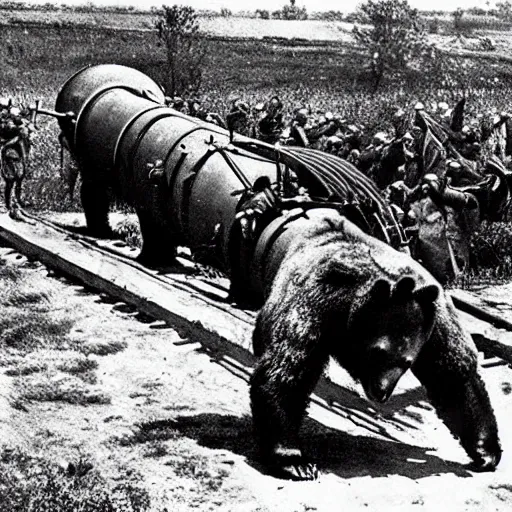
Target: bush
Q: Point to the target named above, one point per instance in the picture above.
(27, 331)
(291, 12)
(264, 14)
(458, 25)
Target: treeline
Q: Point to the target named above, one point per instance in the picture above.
(473, 17)
(502, 10)
(7, 5)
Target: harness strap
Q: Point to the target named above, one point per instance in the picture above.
(265, 242)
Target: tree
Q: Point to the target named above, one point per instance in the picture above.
(291, 12)
(178, 29)
(263, 14)
(504, 9)
(394, 37)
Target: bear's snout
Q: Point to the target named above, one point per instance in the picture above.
(381, 387)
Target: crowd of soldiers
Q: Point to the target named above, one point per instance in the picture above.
(376, 155)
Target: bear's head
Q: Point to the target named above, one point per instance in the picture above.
(388, 328)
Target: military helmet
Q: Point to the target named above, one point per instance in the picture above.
(301, 116)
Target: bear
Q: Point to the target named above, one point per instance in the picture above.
(332, 290)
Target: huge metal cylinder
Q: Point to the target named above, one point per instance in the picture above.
(120, 128)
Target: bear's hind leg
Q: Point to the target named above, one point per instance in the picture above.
(447, 367)
(284, 377)
(95, 202)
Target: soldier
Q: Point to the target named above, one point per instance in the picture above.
(178, 104)
(256, 209)
(15, 144)
(298, 128)
(270, 122)
(371, 155)
(333, 144)
(352, 140)
(400, 123)
(238, 118)
(326, 126)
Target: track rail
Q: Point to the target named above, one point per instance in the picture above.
(193, 301)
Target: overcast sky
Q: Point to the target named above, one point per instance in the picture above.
(311, 5)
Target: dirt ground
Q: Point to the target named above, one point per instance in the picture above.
(178, 423)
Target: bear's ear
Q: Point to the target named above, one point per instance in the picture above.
(427, 295)
(426, 298)
(402, 291)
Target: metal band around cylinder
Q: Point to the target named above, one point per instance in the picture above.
(96, 94)
(180, 139)
(127, 126)
(145, 130)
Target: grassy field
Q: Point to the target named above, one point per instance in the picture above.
(323, 76)
(101, 412)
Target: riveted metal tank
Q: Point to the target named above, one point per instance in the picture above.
(120, 128)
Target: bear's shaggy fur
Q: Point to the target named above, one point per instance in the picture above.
(335, 291)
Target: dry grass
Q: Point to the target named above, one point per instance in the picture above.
(77, 365)
(151, 432)
(26, 331)
(59, 387)
(129, 231)
(33, 484)
(201, 475)
(199, 469)
(35, 343)
(8, 274)
(100, 347)
(22, 368)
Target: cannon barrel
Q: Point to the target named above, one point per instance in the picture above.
(171, 167)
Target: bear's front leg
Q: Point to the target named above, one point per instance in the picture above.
(448, 368)
(284, 377)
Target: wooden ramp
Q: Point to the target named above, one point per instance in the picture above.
(195, 306)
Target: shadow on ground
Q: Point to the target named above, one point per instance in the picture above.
(336, 452)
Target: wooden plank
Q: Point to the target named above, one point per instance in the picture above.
(472, 304)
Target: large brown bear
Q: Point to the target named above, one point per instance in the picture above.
(334, 291)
